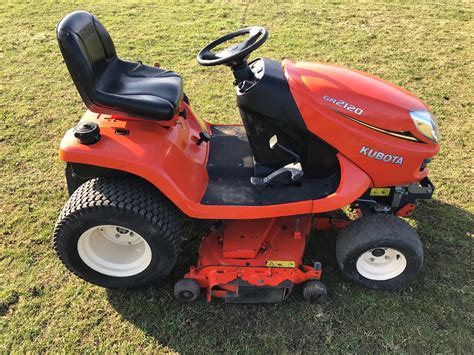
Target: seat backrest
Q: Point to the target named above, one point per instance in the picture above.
(87, 49)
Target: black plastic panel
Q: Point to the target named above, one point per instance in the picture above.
(270, 95)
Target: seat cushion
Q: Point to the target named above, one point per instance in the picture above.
(140, 90)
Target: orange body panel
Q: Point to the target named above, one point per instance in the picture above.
(384, 106)
(169, 158)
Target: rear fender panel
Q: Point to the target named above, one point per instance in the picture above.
(165, 156)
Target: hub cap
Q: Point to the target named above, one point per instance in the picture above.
(381, 264)
(114, 250)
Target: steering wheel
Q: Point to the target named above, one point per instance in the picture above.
(235, 54)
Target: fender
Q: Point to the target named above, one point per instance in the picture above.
(170, 160)
(354, 182)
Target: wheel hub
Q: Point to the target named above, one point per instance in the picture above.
(378, 252)
(186, 294)
(381, 264)
(114, 250)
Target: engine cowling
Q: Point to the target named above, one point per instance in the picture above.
(366, 118)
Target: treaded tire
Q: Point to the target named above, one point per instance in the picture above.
(377, 231)
(128, 202)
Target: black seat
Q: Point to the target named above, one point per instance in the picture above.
(108, 84)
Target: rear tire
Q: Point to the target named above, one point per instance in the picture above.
(379, 251)
(118, 233)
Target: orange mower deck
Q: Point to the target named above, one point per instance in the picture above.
(244, 255)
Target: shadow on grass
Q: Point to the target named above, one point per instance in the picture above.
(429, 313)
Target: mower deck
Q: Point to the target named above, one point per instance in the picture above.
(230, 167)
(254, 261)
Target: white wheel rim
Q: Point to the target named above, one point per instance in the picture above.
(114, 250)
(381, 264)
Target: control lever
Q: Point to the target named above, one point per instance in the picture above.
(294, 169)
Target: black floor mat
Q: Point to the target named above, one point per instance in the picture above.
(230, 167)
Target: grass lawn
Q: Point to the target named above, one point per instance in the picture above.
(426, 47)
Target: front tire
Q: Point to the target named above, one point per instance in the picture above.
(379, 251)
(118, 233)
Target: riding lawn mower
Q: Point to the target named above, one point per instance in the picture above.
(316, 138)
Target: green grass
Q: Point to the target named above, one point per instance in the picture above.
(425, 47)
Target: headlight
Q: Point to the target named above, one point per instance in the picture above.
(426, 124)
